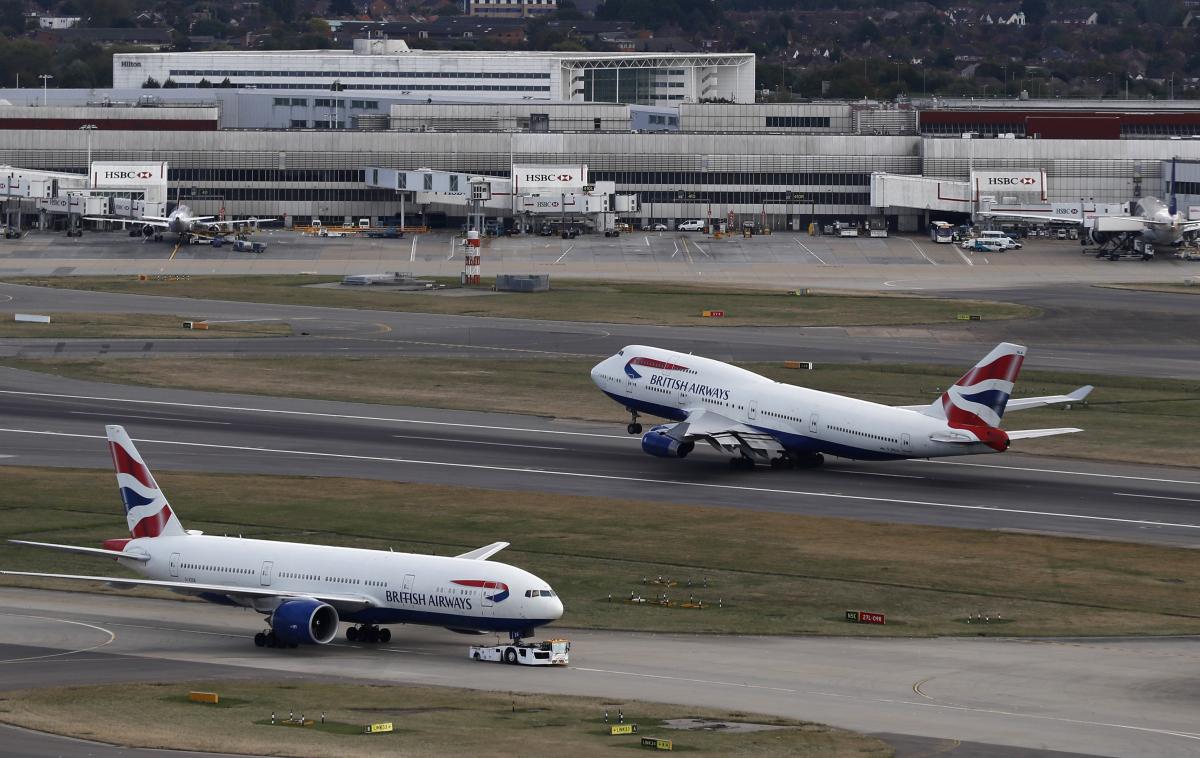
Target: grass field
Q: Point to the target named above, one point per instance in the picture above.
(573, 301)
(768, 573)
(1125, 419)
(428, 721)
(133, 326)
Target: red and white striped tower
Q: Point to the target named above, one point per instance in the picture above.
(471, 262)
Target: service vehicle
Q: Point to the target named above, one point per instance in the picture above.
(981, 245)
(246, 246)
(941, 232)
(654, 228)
(846, 229)
(691, 225)
(547, 653)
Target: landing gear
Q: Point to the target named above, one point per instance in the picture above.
(741, 463)
(634, 427)
(811, 460)
(368, 633)
(268, 639)
(783, 461)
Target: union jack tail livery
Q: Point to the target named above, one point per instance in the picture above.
(980, 396)
(146, 507)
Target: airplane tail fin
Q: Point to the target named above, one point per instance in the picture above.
(979, 397)
(146, 507)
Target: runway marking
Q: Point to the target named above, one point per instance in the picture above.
(453, 250)
(897, 701)
(872, 473)
(151, 418)
(633, 479)
(564, 255)
(647, 239)
(917, 687)
(1057, 471)
(676, 243)
(412, 255)
(697, 244)
(111, 637)
(806, 249)
(1158, 497)
(962, 255)
(352, 417)
(474, 442)
(922, 252)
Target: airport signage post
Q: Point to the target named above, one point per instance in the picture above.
(385, 726)
(866, 617)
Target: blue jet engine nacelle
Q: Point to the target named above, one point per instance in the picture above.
(659, 444)
(304, 622)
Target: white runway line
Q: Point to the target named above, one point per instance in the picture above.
(111, 637)
(564, 255)
(962, 255)
(1158, 497)
(149, 418)
(631, 479)
(412, 255)
(1057, 471)
(452, 249)
(474, 442)
(702, 250)
(922, 252)
(806, 249)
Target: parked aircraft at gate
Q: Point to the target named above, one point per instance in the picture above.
(182, 222)
(760, 420)
(305, 590)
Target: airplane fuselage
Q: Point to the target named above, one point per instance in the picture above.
(802, 420)
(403, 588)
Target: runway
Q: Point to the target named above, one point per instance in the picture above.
(1114, 332)
(61, 424)
(1096, 697)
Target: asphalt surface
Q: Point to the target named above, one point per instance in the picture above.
(1086, 330)
(1096, 697)
(59, 422)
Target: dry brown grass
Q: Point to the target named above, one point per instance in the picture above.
(429, 721)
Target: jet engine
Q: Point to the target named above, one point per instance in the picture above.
(1098, 238)
(213, 228)
(658, 443)
(304, 622)
(149, 231)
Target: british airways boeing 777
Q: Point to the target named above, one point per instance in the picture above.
(305, 590)
(759, 420)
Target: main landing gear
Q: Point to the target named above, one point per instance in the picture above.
(268, 639)
(368, 633)
(785, 461)
(634, 427)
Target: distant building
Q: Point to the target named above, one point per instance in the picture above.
(511, 8)
(58, 22)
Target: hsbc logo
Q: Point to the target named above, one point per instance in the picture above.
(1010, 181)
(548, 178)
(128, 175)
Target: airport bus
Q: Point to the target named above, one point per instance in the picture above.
(941, 231)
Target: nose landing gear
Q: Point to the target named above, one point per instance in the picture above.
(634, 427)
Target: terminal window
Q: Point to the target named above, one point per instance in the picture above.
(798, 122)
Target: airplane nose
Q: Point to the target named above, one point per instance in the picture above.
(596, 371)
(556, 607)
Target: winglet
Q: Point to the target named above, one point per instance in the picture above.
(485, 552)
(1081, 393)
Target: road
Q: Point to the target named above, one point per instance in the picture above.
(58, 422)
(1097, 697)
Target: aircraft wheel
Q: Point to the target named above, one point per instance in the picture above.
(510, 655)
(385, 635)
(371, 635)
(272, 640)
(477, 657)
(634, 428)
(352, 634)
(260, 639)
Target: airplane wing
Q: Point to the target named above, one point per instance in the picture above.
(723, 433)
(84, 550)
(240, 222)
(340, 602)
(1021, 403)
(485, 552)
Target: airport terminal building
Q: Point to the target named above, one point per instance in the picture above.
(300, 153)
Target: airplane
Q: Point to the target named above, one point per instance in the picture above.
(1153, 222)
(182, 223)
(756, 419)
(303, 590)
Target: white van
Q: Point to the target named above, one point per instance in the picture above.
(1000, 238)
(692, 225)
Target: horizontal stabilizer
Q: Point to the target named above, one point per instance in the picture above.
(1021, 403)
(343, 603)
(1028, 434)
(84, 550)
(485, 552)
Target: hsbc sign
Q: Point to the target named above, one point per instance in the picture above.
(1011, 181)
(122, 174)
(534, 178)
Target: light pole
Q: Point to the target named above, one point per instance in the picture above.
(45, 94)
(89, 128)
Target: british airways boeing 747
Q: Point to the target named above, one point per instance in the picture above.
(758, 420)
